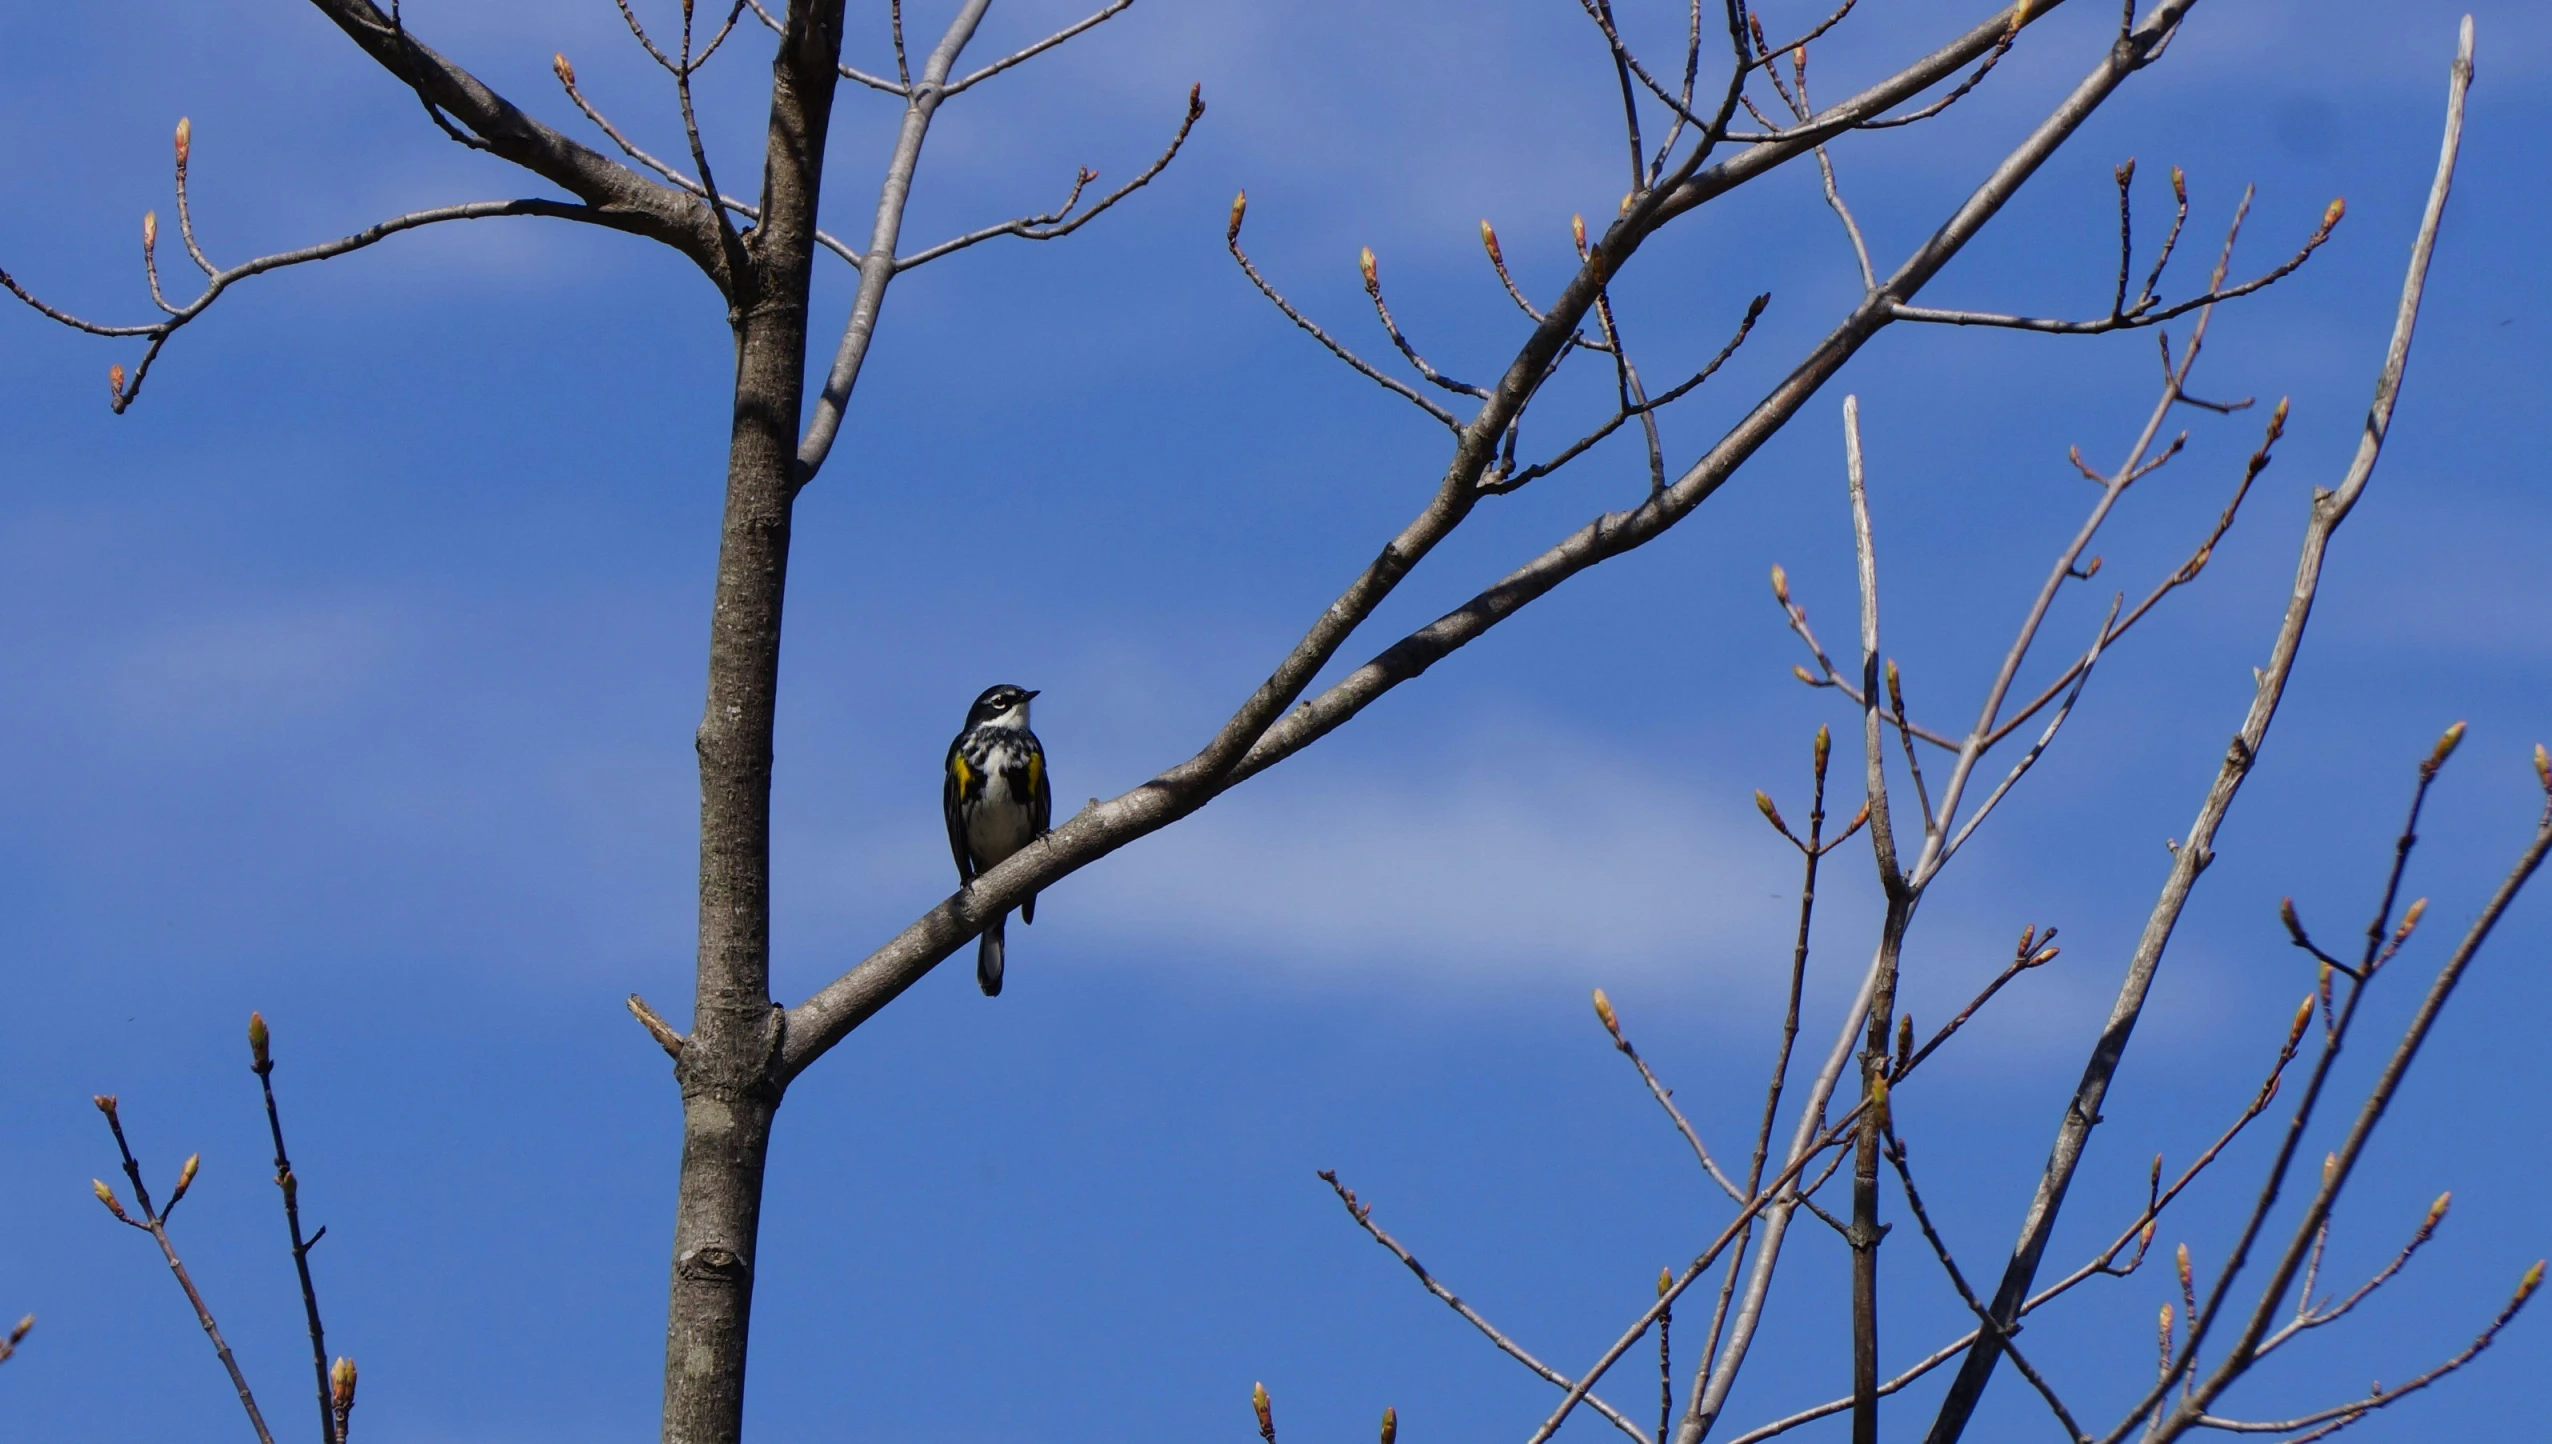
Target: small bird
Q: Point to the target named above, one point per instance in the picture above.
(997, 801)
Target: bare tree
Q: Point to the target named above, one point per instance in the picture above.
(1686, 147)
(2287, 1304)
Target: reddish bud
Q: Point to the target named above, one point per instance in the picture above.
(1489, 239)
(566, 73)
(115, 380)
(2303, 1015)
(1261, 1405)
(259, 1059)
(1364, 263)
(341, 1388)
(2186, 1281)
(1390, 1424)
(2126, 172)
(185, 140)
(1577, 231)
(1804, 675)
(2179, 186)
(2332, 212)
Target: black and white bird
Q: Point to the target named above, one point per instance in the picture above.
(997, 801)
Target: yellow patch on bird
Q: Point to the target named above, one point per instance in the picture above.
(965, 775)
(1036, 772)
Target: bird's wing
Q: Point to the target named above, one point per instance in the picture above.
(959, 782)
(1040, 794)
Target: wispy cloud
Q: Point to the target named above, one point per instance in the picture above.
(1530, 857)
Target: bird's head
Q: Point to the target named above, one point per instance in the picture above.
(1001, 706)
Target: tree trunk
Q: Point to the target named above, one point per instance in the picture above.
(729, 1067)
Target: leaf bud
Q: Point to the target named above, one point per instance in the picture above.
(341, 1390)
(1240, 207)
(566, 72)
(1904, 1041)
(2294, 924)
(1771, 814)
(150, 229)
(2126, 172)
(2186, 1281)
(2543, 766)
(2144, 1240)
(2533, 1279)
(259, 1059)
(1604, 1011)
(105, 1104)
(2410, 919)
(2179, 186)
(291, 1186)
(1266, 1411)
(1665, 1282)
(1364, 263)
(1878, 1100)
(2331, 213)
(1390, 1424)
(1804, 675)
(106, 1195)
(2445, 748)
(185, 140)
(1577, 231)
(115, 381)
(1825, 747)
(185, 1178)
(2437, 1210)
(1780, 585)
(1489, 240)
(2303, 1015)
(1895, 690)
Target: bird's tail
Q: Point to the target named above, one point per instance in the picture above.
(988, 958)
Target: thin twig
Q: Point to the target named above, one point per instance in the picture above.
(155, 1223)
(1665, 1096)
(1362, 367)
(1054, 224)
(1362, 1213)
(2144, 312)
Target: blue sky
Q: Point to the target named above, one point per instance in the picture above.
(355, 670)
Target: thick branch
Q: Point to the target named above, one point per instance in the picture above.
(626, 199)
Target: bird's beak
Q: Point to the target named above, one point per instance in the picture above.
(1028, 697)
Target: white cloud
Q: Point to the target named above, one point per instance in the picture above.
(1536, 856)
